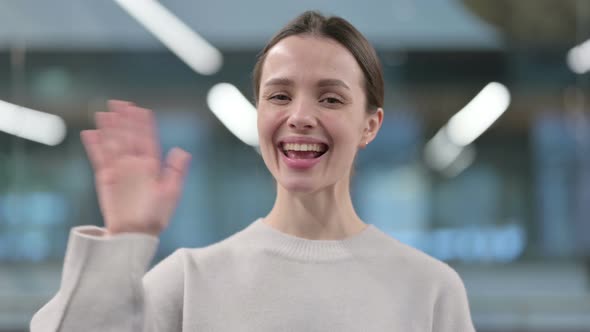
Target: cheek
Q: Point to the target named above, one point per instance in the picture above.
(265, 140)
(267, 126)
(344, 130)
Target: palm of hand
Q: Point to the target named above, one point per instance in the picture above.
(136, 194)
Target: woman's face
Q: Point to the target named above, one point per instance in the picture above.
(311, 113)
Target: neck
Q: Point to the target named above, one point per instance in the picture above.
(327, 214)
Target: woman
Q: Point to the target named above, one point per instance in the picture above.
(310, 265)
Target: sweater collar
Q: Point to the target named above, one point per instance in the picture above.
(276, 242)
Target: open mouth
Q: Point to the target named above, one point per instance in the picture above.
(303, 151)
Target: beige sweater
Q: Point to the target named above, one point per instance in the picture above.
(259, 280)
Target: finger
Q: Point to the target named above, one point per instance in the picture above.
(126, 131)
(133, 129)
(148, 143)
(176, 167)
(115, 104)
(91, 141)
(108, 135)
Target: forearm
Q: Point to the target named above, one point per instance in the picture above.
(101, 288)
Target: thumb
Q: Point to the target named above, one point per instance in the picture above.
(175, 169)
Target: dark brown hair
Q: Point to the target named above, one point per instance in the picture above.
(338, 29)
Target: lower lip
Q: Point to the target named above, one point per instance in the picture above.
(300, 164)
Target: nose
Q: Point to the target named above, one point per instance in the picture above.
(302, 116)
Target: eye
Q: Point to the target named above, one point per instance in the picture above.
(280, 98)
(331, 100)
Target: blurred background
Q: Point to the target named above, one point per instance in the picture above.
(483, 160)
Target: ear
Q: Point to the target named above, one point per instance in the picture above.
(372, 125)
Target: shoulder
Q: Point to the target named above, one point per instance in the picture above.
(416, 263)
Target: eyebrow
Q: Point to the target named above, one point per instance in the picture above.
(321, 83)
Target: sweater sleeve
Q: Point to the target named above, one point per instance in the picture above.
(451, 310)
(104, 286)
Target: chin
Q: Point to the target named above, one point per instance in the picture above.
(306, 185)
(299, 186)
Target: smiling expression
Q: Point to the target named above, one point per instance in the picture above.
(312, 116)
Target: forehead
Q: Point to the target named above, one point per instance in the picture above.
(309, 58)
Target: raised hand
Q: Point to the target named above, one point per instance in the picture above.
(136, 191)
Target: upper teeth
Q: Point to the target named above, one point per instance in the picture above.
(304, 147)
